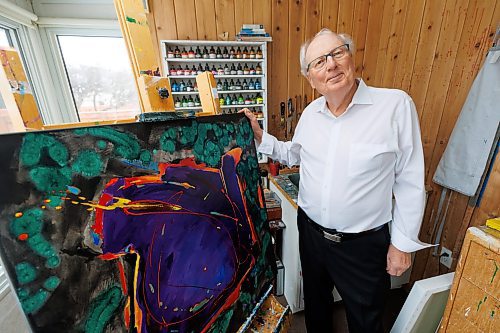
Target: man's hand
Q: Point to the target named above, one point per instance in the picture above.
(257, 131)
(397, 261)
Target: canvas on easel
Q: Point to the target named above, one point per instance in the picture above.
(145, 227)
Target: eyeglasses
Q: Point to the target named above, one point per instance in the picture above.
(337, 53)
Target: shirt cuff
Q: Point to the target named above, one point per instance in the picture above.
(405, 243)
(266, 145)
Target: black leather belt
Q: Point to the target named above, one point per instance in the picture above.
(334, 235)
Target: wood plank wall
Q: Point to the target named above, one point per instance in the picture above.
(430, 48)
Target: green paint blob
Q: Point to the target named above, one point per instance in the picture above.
(30, 223)
(102, 309)
(101, 144)
(52, 283)
(54, 201)
(198, 306)
(145, 157)
(222, 323)
(131, 20)
(48, 179)
(22, 293)
(494, 272)
(53, 262)
(168, 145)
(33, 144)
(88, 163)
(33, 303)
(125, 144)
(25, 272)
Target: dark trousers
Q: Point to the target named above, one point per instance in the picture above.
(356, 267)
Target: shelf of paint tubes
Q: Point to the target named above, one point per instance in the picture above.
(214, 52)
(223, 86)
(216, 76)
(222, 107)
(218, 91)
(214, 60)
(226, 69)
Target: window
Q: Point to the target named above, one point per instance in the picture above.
(91, 70)
(100, 77)
(5, 121)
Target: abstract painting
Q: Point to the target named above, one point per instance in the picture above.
(144, 227)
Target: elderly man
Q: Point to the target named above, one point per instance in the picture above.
(357, 147)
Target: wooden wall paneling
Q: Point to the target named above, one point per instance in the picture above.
(489, 206)
(382, 38)
(185, 13)
(164, 14)
(427, 43)
(360, 22)
(469, 51)
(394, 43)
(313, 25)
(329, 14)
(262, 13)
(205, 19)
(345, 17)
(224, 18)
(408, 50)
(279, 63)
(439, 82)
(373, 29)
(243, 13)
(296, 32)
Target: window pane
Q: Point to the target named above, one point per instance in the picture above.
(101, 78)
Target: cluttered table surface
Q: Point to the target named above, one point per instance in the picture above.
(288, 185)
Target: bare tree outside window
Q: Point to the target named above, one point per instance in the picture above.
(100, 76)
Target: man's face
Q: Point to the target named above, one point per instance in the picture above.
(337, 75)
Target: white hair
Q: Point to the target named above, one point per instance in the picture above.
(345, 38)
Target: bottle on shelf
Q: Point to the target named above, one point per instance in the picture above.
(259, 99)
(193, 70)
(258, 85)
(211, 54)
(205, 54)
(252, 70)
(214, 70)
(190, 101)
(184, 102)
(232, 85)
(259, 55)
(182, 86)
(248, 100)
(238, 85)
(218, 54)
(244, 85)
(239, 70)
(173, 71)
(227, 71)
(207, 68)
(258, 70)
(170, 54)
(228, 100)
(197, 53)
(184, 54)
(187, 71)
(195, 86)
(233, 69)
(220, 70)
(177, 103)
(191, 54)
(245, 54)
(225, 86)
(232, 54)
(225, 53)
(238, 53)
(197, 101)
(234, 100)
(219, 86)
(241, 100)
(251, 55)
(251, 85)
(221, 101)
(246, 70)
(189, 86)
(180, 71)
(177, 52)
(200, 69)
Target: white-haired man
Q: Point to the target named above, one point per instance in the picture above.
(357, 147)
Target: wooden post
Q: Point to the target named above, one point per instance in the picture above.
(16, 92)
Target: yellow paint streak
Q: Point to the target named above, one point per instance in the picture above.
(125, 203)
(185, 185)
(137, 312)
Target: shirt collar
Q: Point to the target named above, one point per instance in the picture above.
(361, 96)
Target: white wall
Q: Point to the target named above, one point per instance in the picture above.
(25, 4)
(87, 9)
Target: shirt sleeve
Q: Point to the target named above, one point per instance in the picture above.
(284, 152)
(408, 188)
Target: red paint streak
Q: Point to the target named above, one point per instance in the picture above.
(97, 227)
(23, 237)
(123, 281)
(126, 314)
(109, 256)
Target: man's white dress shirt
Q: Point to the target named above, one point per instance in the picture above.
(352, 165)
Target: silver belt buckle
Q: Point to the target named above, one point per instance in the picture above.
(333, 237)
